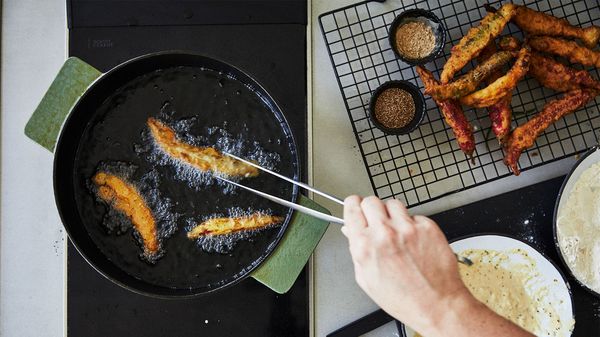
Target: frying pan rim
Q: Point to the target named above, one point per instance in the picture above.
(168, 292)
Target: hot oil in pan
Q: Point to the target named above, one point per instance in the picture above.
(199, 180)
(206, 106)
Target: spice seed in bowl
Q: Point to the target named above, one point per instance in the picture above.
(394, 108)
(415, 40)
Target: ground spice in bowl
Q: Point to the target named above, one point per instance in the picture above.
(417, 36)
(394, 108)
(415, 40)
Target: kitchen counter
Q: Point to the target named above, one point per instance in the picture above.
(32, 240)
(31, 237)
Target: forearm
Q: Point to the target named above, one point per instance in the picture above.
(405, 265)
(466, 317)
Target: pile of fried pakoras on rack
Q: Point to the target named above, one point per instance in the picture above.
(546, 35)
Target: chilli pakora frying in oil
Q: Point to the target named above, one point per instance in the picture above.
(203, 158)
(228, 225)
(126, 198)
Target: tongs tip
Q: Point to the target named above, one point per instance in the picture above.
(464, 260)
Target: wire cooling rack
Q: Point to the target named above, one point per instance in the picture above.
(427, 164)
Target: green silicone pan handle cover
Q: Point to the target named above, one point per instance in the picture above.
(281, 269)
(70, 83)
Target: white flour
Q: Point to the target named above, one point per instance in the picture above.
(578, 228)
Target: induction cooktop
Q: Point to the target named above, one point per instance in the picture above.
(267, 39)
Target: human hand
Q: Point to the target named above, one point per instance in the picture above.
(403, 263)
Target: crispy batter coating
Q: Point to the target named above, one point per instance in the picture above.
(222, 226)
(537, 23)
(551, 73)
(500, 113)
(124, 197)
(570, 50)
(476, 39)
(453, 114)
(202, 158)
(502, 86)
(510, 43)
(559, 77)
(525, 135)
(468, 83)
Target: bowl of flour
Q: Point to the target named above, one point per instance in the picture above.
(577, 221)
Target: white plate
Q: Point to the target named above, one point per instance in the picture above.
(550, 276)
(589, 158)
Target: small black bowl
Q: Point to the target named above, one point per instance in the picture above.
(417, 96)
(424, 16)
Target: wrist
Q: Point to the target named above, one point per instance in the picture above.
(451, 311)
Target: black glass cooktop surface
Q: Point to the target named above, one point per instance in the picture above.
(267, 40)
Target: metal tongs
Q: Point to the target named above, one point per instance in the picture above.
(300, 208)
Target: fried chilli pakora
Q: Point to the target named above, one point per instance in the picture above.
(524, 136)
(570, 50)
(125, 198)
(228, 225)
(202, 158)
(551, 73)
(453, 115)
(559, 77)
(468, 83)
(500, 113)
(476, 39)
(537, 23)
(502, 86)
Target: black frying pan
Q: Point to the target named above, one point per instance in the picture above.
(199, 97)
